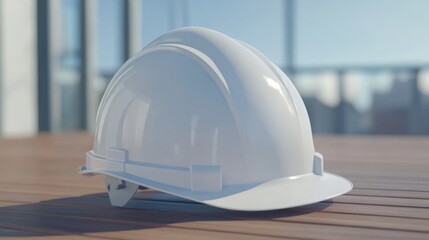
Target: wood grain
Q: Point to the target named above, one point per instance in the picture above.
(42, 197)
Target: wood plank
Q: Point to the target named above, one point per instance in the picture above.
(251, 222)
(43, 196)
(15, 232)
(292, 215)
(25, 197)
(389, 193)
(383, 201)
(199, 209)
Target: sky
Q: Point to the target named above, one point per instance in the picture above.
(330, 33)
(252, 21)
(362, 33)
(326, 33)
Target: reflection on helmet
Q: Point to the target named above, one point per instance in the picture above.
(206, 117)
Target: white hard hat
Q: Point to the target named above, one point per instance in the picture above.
(203, 116)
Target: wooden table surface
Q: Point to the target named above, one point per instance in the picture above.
(42, 196)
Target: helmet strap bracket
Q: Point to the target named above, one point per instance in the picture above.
(318, 164)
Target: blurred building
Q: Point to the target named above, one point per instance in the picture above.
(362, 67)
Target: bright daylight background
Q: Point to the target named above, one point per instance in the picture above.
(362, 67)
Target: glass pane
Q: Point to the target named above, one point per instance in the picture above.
(65, 64)
(110, 43)
(320, 92)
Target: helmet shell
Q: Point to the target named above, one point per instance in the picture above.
(209, 118)
(197, 97)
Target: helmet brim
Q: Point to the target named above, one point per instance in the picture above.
(275, 194)
(285, 193)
